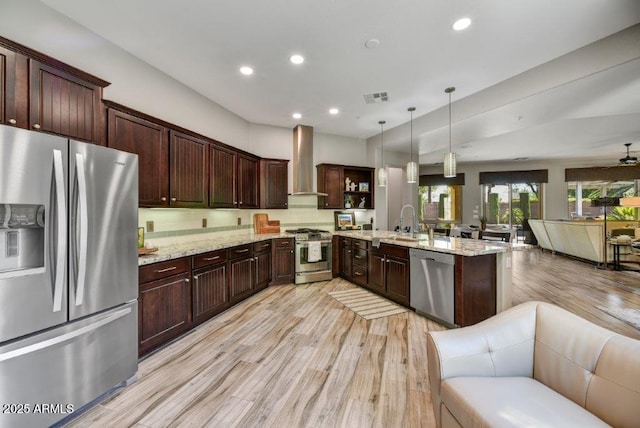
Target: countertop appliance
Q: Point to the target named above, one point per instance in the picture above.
(68, 275)
(312, 255)
(432, 284)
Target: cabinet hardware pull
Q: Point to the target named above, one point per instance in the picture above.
(12, 121)
(359, 274)
(358, 257)
(211, 258)
(187, 280)
(195, 278)
(163, 199)
(167, 269)
(242, 251)
(291, 251)
(36, 126)
(173, 199)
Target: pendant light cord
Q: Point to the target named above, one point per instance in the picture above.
(449, 122)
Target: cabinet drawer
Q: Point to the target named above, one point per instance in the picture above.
(240, 251)
(262, 246)
(210, 258)
(345, 242)
(361, 243)
(283, 242)
(360, 257)
(163, 269)
(359, 274)
(393, 250)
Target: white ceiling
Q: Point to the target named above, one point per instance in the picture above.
(202, 43)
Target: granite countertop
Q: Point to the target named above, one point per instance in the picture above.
(441, 244)
(175, 251)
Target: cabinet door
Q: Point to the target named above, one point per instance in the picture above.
(150, 142)
(8, 83)
(283, 262)
(188, 165)
(210, 292)
(274, 183)
(247, 182)
(63, 104)
(163, 311)
(330, 182)
(345, 259)
(222, 177)
(263, 270)
(242, 278)
(397, 279)
(377, 264)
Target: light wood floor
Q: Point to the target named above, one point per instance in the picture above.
(292, 356)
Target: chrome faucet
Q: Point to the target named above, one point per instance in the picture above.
(414, 223)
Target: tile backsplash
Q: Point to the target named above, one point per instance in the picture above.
(181, 223)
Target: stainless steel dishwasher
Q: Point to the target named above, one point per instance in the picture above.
(432, 284)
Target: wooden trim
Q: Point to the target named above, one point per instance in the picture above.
(46, 59)
(613, 173)
(440, 179)
(509, 177)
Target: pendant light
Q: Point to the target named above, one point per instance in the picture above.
(412, 167)
(450, 158)
(382, 171)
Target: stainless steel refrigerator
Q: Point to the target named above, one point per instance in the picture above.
(68, 275)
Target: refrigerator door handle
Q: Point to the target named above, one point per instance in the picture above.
(61, 215)
(83, 225)
(63, 338)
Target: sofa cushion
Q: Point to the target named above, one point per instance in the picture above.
(511, 402)
(566, 351)
(614, 391)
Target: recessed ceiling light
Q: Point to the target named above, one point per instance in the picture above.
(461, 24)
(296, 59)
(247, 71)
(334, 111)
(296, 115)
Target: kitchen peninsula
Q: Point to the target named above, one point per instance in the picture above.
(379, 261)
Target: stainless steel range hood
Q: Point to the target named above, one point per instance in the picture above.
(303, 161)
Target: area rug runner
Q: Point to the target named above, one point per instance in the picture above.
(368, 305)
(630, 316)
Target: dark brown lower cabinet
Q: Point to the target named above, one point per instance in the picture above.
(262, 257)
(475, 289)
(283, 258)
(210, 292)
(241, 272)
(397, 278)
(389, 272)
(163, 303)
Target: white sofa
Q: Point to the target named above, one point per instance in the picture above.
(534, 365)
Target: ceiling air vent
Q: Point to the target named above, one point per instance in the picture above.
(378, 97)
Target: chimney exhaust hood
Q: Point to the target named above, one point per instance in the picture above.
(303, 161)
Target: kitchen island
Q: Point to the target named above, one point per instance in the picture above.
(482, 279)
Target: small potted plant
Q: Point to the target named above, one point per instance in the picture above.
(483, 223)
(348, 201)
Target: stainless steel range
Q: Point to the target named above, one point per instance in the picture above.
(313, 255)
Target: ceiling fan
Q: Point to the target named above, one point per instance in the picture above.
(628, 160)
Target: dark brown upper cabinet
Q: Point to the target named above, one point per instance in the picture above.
(42, 94)
(247, 181)
(274, 183)
(188, 163)
(330, 182)
(222, 178)
(150, 142)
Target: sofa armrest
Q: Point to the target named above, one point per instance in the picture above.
(500, 346)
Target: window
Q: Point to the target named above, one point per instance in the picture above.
(510, 204)
(440, 203)
(584, 199)
(440, 199)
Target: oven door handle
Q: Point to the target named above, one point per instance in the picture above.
(304, 244)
